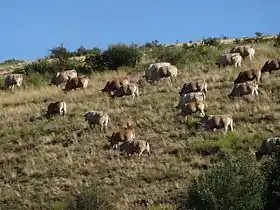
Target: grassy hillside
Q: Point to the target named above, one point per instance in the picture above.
(44, 160)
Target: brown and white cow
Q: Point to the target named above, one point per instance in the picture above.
(194, 86)
(61, 77)
(213, 122)
(193, 107)
(230, 59)
(115, 84)
(271, 65)
(97, 118)
(244, 51)
(267, 147)
(58, 107)
(246, 88)
(12, 80)
(249, 75)
(126, 90)
(76, 82)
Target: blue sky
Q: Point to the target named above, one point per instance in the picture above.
(31, 27)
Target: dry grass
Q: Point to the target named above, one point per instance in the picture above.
(43, 160)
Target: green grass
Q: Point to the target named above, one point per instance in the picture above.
(44, 160)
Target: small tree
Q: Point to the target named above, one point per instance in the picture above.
(62, 54)
(236, 184)
(272, 176)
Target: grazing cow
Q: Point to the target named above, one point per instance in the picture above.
(246, 88)
(136, 146)
(154, 67)
(10, 80)
(249, 75)
(59, 107)
(230, 59)
(115, 84)
(194, 86)
(244, 51)
(124, 134)
(62, 77)
(217, 122)
(271, 65)
(126, 90)
(191, 97)
(193, 107)
(158, 71)
(97, 118)
(76, 82)
(267, 147)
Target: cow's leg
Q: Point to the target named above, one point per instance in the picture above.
(226, 129)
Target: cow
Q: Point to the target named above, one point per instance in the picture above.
(124, 134)
(115, 84)
(214, 122)
(154, 67)
(267, 147)
(136, 146)
(249, 75)
(191, 97)
(62, 77)
(97, 118)
(271, 65)
(194, 86)
(244, 51)
(10, 80)
(126, 90)
(230, 59)
(193, 107)
(76, 82)
(58, 107)
(246, 88)
(158, 71)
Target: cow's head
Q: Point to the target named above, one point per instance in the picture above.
(258, 155)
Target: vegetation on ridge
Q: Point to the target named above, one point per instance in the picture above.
(44, 162)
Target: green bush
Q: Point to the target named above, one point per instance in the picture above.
(236, 184)
(277, 41)
(121, 55)
(90, 199)
(272, 177)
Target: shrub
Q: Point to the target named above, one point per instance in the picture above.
(90, 198)
(272, 177)
(277, 41)
(236, 184)
(121, 55)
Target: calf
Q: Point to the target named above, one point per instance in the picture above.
(193, 107)
(267, 147)
(126, 90)
(97, 118)
(58, 107)
(196, 86)
(246, 88)
(217, 122)
(115, 84)
(124, 134)
(249, 75)
(136, 146)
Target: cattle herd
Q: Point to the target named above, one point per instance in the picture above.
(191, 97)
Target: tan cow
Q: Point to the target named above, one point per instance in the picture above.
(76, 82)
(158, 71)
(62, 77)
(267, 147)
(10, 80)
(115, 84)
(193, 107)
(59, 107)
(194, 86)
(246, 88)
(230, 59)
(244, 51)
(136, 146)
(217, 122)
(124, 134)
(126, 90)
(190, 97)
(97, 118)
(271, 65)
(249, 75)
